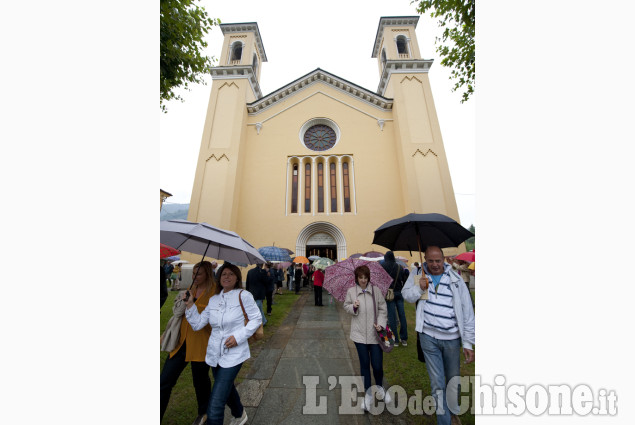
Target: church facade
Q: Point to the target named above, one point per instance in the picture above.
(317, 165)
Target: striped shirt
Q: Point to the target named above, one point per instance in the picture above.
(439, 320)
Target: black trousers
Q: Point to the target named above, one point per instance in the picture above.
(172, 369)
(269, 301)
(317, 290)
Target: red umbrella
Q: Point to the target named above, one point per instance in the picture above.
(466, 256)
(168, 251)
(339, 277)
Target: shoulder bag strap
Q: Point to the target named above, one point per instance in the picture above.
(240, 299)
(372, 294)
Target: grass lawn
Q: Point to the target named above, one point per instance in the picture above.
(182, 406)
(401, 367)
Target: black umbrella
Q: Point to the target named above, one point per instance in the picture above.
(414, 232)
(418, 231)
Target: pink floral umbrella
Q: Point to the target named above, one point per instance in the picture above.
(339, 277)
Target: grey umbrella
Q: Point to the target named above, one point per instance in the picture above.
(207, 240)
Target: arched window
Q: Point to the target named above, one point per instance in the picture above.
(237, 51)
(320, 187)
(333, 189)
(402, 45)
(347, 191)
(294, 190)
(254, 64)
(307, 188)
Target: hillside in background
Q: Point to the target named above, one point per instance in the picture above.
(174, 211)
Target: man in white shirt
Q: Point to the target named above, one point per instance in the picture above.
(445, 323)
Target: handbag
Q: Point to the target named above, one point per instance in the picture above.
(384, 336)
(260, 332)
(390, 295)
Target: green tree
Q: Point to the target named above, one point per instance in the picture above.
(456, 44)
(183, 28)
(469, 244)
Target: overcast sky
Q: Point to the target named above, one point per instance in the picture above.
(336, 36)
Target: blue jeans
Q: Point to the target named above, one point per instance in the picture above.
(371, 354)
(224, 393)
(264, 319)
(397, 304)
(443, 361)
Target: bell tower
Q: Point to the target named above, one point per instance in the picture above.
(404, 77)
(235, 82)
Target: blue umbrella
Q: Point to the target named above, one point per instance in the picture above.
(273, 253)
(173, 258)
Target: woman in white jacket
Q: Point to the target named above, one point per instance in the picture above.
(228, 347)
(359, 304)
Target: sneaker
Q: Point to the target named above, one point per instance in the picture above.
(383, 394)
(200, 420)
(241, 420)
(367, 402)
(404, 343)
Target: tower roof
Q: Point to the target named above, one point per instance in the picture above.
(385, 21)
(246, 27)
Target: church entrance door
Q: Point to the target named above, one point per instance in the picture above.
(328, 251)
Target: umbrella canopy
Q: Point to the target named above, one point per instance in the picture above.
(415, 232)
(168, 251)
(466, 256)
(403, 259)
(172, 258)
(373, 254)
(207, 240)
(357, 255)
(371, 258)
(301, 260)
(283, 265)
(314, 257)
(274, 253)
(288, 251)
(339, 277)
(322, 263)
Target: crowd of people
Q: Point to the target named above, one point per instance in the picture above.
(444, 326)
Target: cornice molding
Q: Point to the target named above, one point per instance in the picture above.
(236, 72)
(246, 27)
(320, 75)
(386, 21)
(406, 66)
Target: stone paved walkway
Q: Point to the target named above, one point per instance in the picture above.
(311, 341)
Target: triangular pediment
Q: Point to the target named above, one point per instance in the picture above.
(315, 77)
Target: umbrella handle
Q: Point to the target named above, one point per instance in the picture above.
(424, 296)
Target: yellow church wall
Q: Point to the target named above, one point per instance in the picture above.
(217, 173)
(265, 178)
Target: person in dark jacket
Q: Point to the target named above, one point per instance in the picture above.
(272, 277)
(396, 305)
(257, 285)
(164, 286)
(298, 277)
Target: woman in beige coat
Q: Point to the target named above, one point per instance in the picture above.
(360, 305)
